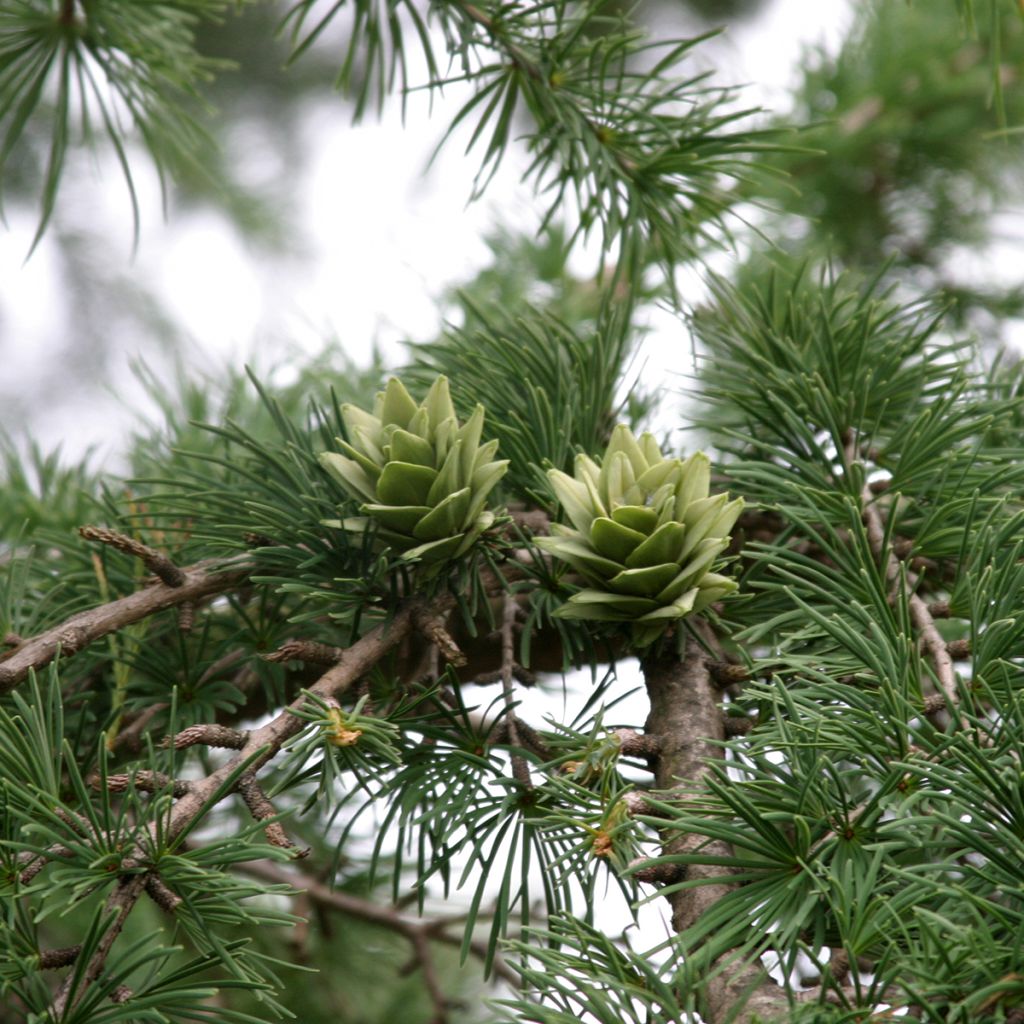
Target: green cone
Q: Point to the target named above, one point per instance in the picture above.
(644, 534)
(422, 478)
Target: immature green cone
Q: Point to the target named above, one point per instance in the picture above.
(422, 478)
(644, 534)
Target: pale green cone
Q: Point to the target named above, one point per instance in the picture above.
(643, 533)
(420, 477)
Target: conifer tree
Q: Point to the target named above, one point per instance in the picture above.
(260, 698)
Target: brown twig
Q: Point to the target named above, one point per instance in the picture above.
(145, 782)
(130, 735)
(931, 640)
(121, 901)
(262, 810)
(53, 959)
(373, 913)
(432, 625)
(309, 651)
(208, 736)
(162, 894)
(76, 633)
(155, 561)
(509, 612)
(528, 737)
(726, 674)
(959, 650)
(34, 862)
(638, 744)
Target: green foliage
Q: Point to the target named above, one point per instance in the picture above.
(578, 970)
(158, 775)
(100, 62)
(552, 386)
(906, 147)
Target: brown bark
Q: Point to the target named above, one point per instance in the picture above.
(685, 721)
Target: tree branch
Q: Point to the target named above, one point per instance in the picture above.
(76, 633)
(920, 615)
(373, 913)
(155, 561)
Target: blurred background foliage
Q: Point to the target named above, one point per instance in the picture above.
(915, 137)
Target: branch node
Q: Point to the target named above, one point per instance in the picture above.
(186, 616)
(959, 650)
(257, 540)
(726, 674)
(261, 809)
(52, 959)
(144, 781)
(664, 873)
(738, 725)
(637, 744)
(162, 894)
(207, 736)
(636, 804)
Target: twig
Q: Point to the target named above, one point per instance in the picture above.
(432, 625)
(76, 633)
(920, 616)
(162, 894)
(309, 651)
(510, 609)
(145, 781)
(725, 673)
(35, 862)
(638, 744)
(208, 736)
(52, 959)
(262, 809)
(122, 899)
(528, 737)
(129, 736)
(155, 561)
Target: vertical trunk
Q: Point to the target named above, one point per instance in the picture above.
(687, 724)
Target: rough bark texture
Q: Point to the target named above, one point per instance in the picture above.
(686, 722)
